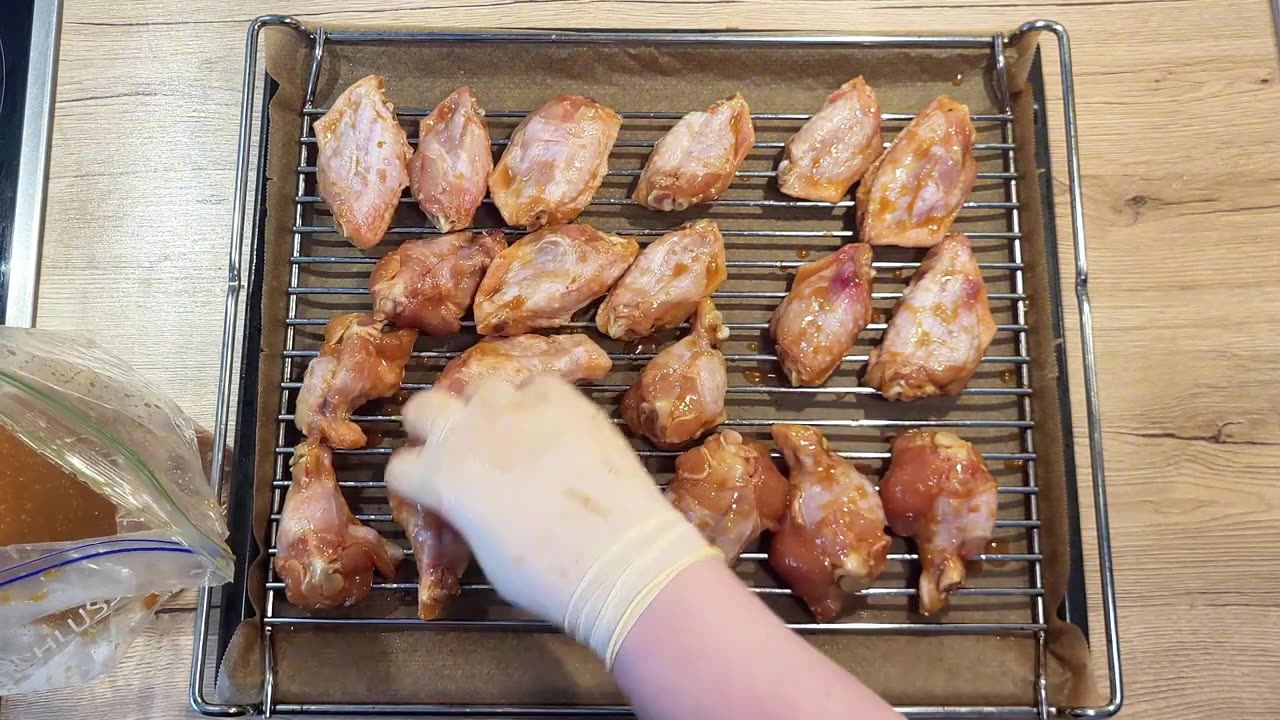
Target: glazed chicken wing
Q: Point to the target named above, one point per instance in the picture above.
(547, 276)
(835, 147)
(913, 192)
(357, 363)
(832, 541)
(555, 162)
(450, 169)
(428, 283)
(939, 330)
(938, 491)
(326, 557)
(730, 490)
(663, 286)
(680, 393)
(362, 163)
(438, 550)
(519, 359)
(819, 320)
(696, 160)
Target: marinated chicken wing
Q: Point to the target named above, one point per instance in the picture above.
(819, 320)
(363, 161)
(680, 393)
(547, 276)
(357, 363)
(428, 283)
(326, 557)
(555, 162)
(450, 169)
(835, 147)
(730, 490)
(832, 541)
(938, 491)
(519, 359)
(939, 330)
(438, 550)
(663, 286)
(913, 192)
(696, 160)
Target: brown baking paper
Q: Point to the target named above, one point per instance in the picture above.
(421, 665)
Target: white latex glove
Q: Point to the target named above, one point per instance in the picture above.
(563, 518)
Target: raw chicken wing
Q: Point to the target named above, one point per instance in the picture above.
(835, 147)
(357, 363)
(438, 550)
(696, 160)
(547, 276)
(730, 490)
(555, 162)
(519, 359)
(428, 283)
(819, 320)
(326, 557)
(363, 162)
(832, 541)
(939, 330)
(680, 393)
(912, 193)
(450, 169)
(938, 491)
(663, 286)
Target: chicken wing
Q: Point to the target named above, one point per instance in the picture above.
(325, 556)
(819, 320)
(428, 283)
(450, 169)
(362, 165)
(730, 490)
(519, 359)
(663, 286)
(555, 162)
(832, 541)
(680, 393)
(835, 147)
(913, 192)
(696, 160)
(938, 491)
(547, 276)
(438, 550)
(939, 330)
(357, 363)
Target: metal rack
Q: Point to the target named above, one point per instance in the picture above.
(327, 276)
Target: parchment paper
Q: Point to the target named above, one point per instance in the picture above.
(360, 665)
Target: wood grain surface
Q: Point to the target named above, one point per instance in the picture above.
(1178, 101)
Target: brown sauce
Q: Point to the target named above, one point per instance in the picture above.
(43, 503)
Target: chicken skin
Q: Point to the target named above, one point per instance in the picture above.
(730, 490)
(820, 318)
(547, 276)
(938, 491)
(357, 363)
(939, 330)
(833, 150)
(519, 359)
(428, 283)
(362, 165)
(555, 162)
(680, 393)
(911, 194)
(438, 550)
(696, 160)
(663, 286)
(326, 557)
(450, 170)
(832, 541)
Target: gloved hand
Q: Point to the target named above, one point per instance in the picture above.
(563, 518)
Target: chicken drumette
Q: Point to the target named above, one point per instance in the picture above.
(832, 541)
(438, 550)
(450, 169)
(519, 359)
(428, 283)
(695, 161)
(835, 147)
(938, 491)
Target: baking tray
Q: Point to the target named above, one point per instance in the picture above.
(768, 235)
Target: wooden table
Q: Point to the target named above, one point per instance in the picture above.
(1178, 106)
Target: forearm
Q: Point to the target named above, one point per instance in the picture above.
(708, 648)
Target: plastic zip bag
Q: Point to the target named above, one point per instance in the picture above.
(68, 610)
